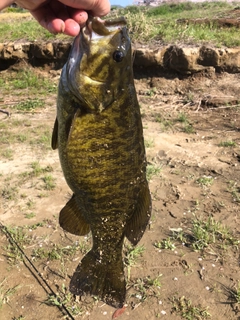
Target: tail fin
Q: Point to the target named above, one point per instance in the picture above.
(105, 280)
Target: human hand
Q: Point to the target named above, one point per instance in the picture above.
(63, 16)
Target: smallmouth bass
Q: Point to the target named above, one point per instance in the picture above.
(98, 132)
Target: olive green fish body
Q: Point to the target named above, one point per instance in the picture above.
(99, 135)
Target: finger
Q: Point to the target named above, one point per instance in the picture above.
(64, 13)
(97, 7)
(72, 28)
(80, 16)
(47, 19)
(59, 9)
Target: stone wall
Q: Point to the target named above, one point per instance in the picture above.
(184, 60)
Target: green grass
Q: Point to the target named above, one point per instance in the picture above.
(236, 293)
(186, 126)
(26, 29)
(205, 181)
(132, 254)
(205, 233)
(64, 298)
(9, 192)
(163, 23)
(228, 143)
(152, 170)
(165, 244)
(58, 252)
(146, 24)
(49, 182)
(7, 153)
(27, 82)
(202, 235)
(234, 189)
(146, 287)
(165, 123)
(29, 105)
(6, 293)
(187, 310)
(20, 236)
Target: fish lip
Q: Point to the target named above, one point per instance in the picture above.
(96, 28)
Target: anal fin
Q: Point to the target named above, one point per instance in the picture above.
(72, 220)
(140, 218)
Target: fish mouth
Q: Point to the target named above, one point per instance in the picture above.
(96, 28)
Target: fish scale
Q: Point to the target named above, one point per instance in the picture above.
(98, 132)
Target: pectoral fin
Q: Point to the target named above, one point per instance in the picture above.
(72, 220)
(55, 135)
(140, 218)
(69, 126)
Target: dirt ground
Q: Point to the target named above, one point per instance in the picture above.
(193, 153)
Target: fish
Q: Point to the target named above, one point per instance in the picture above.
(99, 136)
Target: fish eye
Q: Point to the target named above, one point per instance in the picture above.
(118, 55)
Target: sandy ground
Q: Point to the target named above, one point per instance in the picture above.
(193, 151)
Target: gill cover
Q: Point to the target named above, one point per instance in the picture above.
(99, 63)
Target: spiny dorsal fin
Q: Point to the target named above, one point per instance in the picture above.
(72, 220)
(140, 218)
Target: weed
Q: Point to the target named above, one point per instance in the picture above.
(149, 143)
(235, 190)
(43, 137)
(35, 226)
(165, 244)
(236, 293)
(38, 170)
(210, 231)
(165, 123)
(202, 234)
(83, 247)
(6, 137)
(30, 215)
(64, 298)
(55, 253)
(132, 254)
(186, 125)
(147, 287)
(49, 182)
(152, 92)
(205, 181)
(30, 204)
(9, 192)
(152, 170)
(5, 294)
(21, 238)
(188, 128)
(186, 310)
(229, 143)
(8, 154)
(21, 137)
(58, 252)
(29, 105)
(182, 117)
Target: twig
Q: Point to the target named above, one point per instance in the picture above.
(34, 271)
(6, 112)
